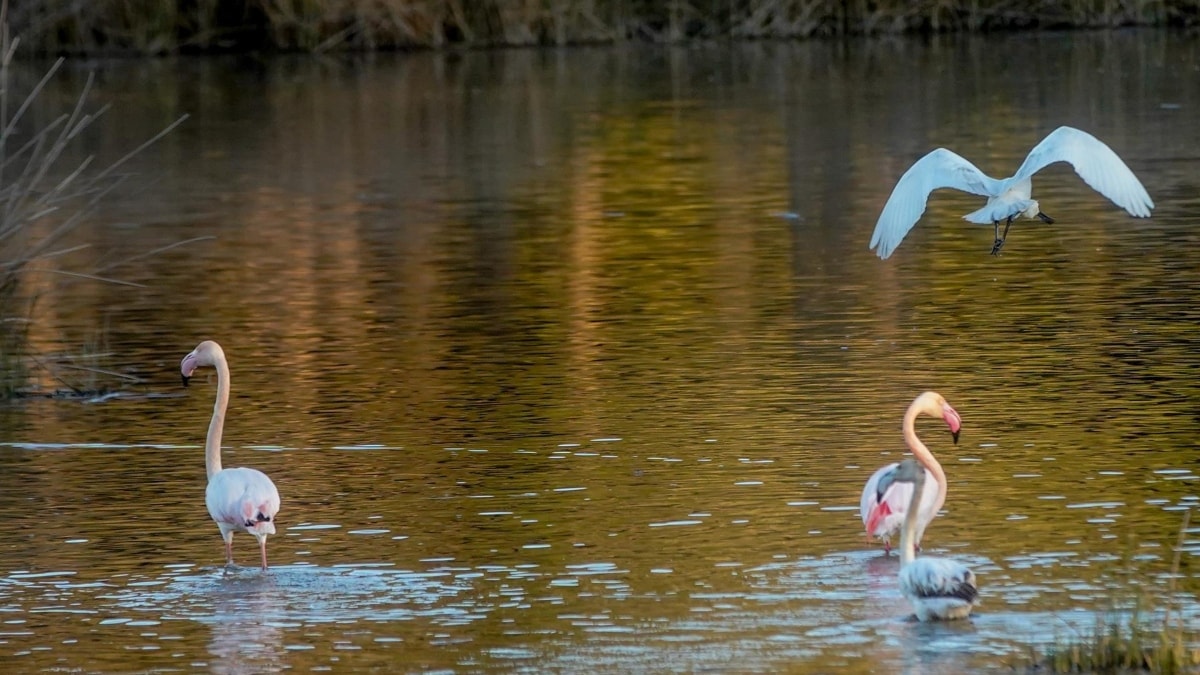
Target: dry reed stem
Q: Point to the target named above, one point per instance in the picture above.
(36, 186)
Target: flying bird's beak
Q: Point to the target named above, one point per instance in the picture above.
(185, 380)
(1045, 218)
(954, 435)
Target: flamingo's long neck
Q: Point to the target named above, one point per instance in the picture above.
(922, 453)
(212, 446)
(908, 536)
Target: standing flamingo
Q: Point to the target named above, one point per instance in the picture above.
(939, 589)
(883, 511)
(238, 499)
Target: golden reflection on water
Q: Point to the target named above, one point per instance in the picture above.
(559, 366)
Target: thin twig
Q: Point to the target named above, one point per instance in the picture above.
(154, 252)
(143, 146)
(1187, 515)
(11, 157)
(74, 219)
(93, 277)
(77, 118)
(8, 128)
(101, 371)
(54, 375)
(21, 262)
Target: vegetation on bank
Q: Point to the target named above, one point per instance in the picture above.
(162, 26)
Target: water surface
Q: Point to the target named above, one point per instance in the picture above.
(577, 360)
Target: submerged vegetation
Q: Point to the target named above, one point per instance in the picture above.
(156, 26)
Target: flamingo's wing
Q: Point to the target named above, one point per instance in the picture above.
(245, 498)
(939, 169)
(1096, 164)
(929, 578)
(870, 493)
(884, 502)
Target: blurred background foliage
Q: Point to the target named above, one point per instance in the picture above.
(165, 26)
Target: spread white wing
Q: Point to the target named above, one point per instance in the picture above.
(1096, 164)
(939, 169)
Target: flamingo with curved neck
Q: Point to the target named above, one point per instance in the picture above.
(883, 511)
(237, 499)
(939, 589)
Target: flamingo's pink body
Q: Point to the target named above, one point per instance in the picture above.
(237, 499)
(883, 512)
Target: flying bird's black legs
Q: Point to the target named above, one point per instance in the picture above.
(996, 245)
(1000, 237)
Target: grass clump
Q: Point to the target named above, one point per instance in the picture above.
(1126, 643)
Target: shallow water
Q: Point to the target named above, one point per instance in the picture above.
(577, 361)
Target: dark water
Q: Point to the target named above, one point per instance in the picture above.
(571, 361)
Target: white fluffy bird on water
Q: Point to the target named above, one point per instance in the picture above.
(1008, 198)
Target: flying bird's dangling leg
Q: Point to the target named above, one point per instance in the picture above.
(1000, 237)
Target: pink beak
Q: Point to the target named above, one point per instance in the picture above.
(952, 420)
(187, 367)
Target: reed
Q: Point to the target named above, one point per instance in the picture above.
(157, 26)
(44, 197)
(1128, 642)
(1125, 645)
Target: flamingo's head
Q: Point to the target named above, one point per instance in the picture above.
(934, 404)
(205, 354)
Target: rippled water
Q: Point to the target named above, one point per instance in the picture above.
(577, 361)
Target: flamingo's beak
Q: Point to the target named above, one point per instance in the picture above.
(187, 367)
(1045, 218)
(953, 420)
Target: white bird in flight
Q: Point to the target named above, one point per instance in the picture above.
(1009, 198)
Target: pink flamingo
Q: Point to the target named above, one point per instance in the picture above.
(883, 511)
(237, 499)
